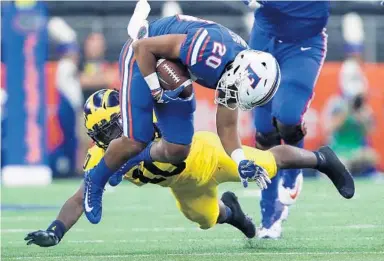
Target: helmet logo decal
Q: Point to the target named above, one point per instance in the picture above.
(142, 32)
(253, 77)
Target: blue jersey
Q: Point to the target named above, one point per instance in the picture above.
(207, 49)
(292, 20)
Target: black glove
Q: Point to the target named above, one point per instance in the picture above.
(49, 237)
(43, 238)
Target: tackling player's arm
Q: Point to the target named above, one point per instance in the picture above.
(69, 214)
(227, 129)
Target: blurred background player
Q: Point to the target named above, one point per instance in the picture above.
(170, 8)
(293, 31)
(349, 117)
(63, 148)
(95, 74)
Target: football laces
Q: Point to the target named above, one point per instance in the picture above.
(171, 73)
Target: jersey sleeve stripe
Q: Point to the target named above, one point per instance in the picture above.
(203, 48)
(192, 44)
(125, 93)
(196, 48)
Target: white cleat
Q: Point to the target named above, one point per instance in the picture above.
(288, 196)
(274, 232)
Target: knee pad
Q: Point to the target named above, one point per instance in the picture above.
(291, 134)
(266, 141)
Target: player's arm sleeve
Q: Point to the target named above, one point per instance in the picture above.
(194, 46)
(203, 52)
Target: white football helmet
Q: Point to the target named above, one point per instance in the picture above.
(251, 80)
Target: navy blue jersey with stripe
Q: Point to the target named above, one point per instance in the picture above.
(292, 20)
(207, 49)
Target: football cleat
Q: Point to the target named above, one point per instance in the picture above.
(289, 193)
(92, 200)
(274, 232)
(336, 172)
(239, 219)
(273, 214)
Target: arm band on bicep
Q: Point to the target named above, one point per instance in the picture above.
(152, 81)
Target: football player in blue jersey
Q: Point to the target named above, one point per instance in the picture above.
(293, 31)
(219, 59)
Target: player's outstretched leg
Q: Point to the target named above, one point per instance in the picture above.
(236, 216)
(324, 160)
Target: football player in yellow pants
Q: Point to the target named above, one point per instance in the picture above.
(194, 182)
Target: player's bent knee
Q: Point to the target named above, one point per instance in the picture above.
(266, 141)
(291, 134)
(123, 148)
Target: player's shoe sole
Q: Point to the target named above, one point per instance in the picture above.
(337, 172)
(239, 219)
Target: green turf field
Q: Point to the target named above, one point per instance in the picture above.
(144, 224)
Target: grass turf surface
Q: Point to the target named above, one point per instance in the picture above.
(144, 224)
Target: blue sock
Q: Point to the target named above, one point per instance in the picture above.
(145, 156)
(101, 174)
(271, 193)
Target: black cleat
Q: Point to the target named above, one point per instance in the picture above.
(336, 172)
(239, 219)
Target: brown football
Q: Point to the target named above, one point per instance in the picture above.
(172, 74)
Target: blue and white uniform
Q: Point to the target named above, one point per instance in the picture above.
(292, 31)
(206, 51)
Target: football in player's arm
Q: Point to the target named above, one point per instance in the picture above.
(169, 47)
(250, 77)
